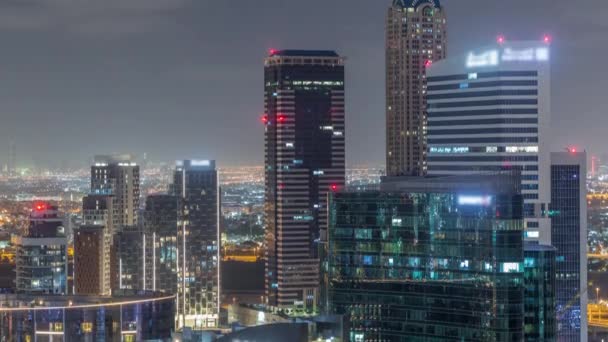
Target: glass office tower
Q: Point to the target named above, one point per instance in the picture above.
(428, 259)
(569, 236)
(489, 110)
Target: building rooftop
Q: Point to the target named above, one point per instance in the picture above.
(303, 53)
(195, 164)
(113, 158)
(415, 3)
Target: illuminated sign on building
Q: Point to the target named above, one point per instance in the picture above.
(200, 163)
(521, 149)
(493, 57)
(509, 54)
(484, 59)
(449, 149)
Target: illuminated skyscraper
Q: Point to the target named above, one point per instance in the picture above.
(569, 236)
(489, 110)
(304, 160)
(160, 222)
(195, 184)
(118, 175)
(415, 37)
(41, 254)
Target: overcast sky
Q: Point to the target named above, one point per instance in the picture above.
(183, 78)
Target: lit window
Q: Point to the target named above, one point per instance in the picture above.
(86, 327)
(509, 267)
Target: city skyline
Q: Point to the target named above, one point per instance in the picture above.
(106, 73)
(467, 220)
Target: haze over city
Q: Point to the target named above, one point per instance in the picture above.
(180, 78)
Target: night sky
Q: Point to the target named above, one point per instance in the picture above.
(183, 78)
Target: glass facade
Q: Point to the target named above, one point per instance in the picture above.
(41, 265)
(160, 219)
(426, 266)
(195, 183)
(539, 279)
(565, 234)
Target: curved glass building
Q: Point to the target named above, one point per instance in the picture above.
(134, 316)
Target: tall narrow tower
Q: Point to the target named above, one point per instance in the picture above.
(415, 37)
(568, 213)
(304, 159)
(195, 183)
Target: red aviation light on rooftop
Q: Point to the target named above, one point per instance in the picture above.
(272, 51)
(264, 119)
(547, 39)
(500, 39)
(281, 118)
(571, 149)
(428, 63)
(40, 206)
(334, 187)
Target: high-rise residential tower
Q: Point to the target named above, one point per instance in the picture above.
(91, 261)
(118, 175)
(489, 110)
(195, 184)
(304, 161)
(568, 213)
(416, 36)
(41, 253)
(160, 222)
(93, 246)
